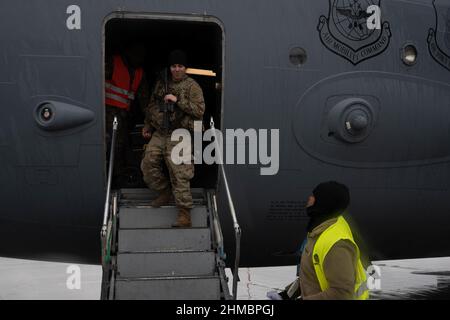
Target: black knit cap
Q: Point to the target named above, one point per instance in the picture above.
(331, 196)
(177, 57)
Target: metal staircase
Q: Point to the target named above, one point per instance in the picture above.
(145, 258)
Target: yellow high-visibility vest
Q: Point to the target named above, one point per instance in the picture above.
(334, 233)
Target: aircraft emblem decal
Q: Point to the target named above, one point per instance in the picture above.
(345, 31)
(435, 50)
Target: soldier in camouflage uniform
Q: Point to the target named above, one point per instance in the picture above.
(189, 106)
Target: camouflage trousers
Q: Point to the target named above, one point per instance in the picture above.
(157, 153)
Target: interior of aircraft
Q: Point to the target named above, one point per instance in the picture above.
(202, 42)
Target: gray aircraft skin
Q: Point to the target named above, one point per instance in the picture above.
(351, 110)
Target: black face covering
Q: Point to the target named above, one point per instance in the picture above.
(332, 198)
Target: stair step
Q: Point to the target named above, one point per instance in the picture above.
(148, 217)
(147, 240)
(147, 194)
(132, 203)
(174, 288)
(162, 264)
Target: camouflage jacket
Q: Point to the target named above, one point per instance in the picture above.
(190, 106)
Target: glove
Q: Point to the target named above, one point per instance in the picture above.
(273, 295)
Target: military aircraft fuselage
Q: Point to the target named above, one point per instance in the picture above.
(367, 107)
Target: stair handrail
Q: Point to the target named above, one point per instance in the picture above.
(109, 182)
(107, 222)
(212, 203)
(237, 228)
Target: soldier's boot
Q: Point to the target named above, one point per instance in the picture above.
(183, 219)
(163, 199)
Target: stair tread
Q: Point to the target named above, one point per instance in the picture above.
(163, 218)
(169, 288)
(213, 277)
(164, 239)
(166, 251)
(165, 265)
(147, 194)
(166, 229)
(146, 203)
(152, 209)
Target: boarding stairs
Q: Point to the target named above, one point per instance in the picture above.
(145, 258)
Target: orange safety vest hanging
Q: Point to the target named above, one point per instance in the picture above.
(120, 90)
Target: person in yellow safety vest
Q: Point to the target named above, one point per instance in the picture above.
(126, 86)
(331, 267)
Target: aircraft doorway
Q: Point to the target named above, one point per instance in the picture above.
(203, 43)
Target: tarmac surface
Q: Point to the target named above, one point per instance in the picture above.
(399, 279)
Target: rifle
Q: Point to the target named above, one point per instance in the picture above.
(167, 107)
